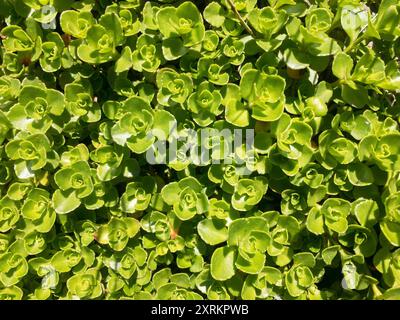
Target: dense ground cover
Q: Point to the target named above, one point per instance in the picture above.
(199, 149)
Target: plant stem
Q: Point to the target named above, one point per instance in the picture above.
(242, 22)
(351, 46)
(336, 83)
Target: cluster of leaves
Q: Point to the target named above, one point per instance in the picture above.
(312, 212)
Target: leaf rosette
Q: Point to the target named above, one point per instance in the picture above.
(333, 213)
(101, 40)
(9, 214)
(265, 94)
(383, 151)
(300, 277)
(75, 183)
(38, 209)
(36, 109)
(134, 126)
(117, 232)
(187, 197)
(76, 23)
(79, 102)
(29, 153)
(138, 194)
(147, 55)
(390, 224)
(205, 104)
(173, 87)
(248, 193)
(13, 268)
(215, 71)
(184, 22)
(335, 149)
(85, 285)
(52, 49)
(361, 239)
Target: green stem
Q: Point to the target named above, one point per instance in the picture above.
(242, 22)
(337, 83)
(351, 46)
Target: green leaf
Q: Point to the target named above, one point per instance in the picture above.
(76, 23)
(315, 221)
(366, 211)
(236, 112)
(342, 66)
(223, 263)
(353, 20)
(213, 231)
(329, 253)
(251, 263)
(124, 62)
(65, 201)
(214, 14)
